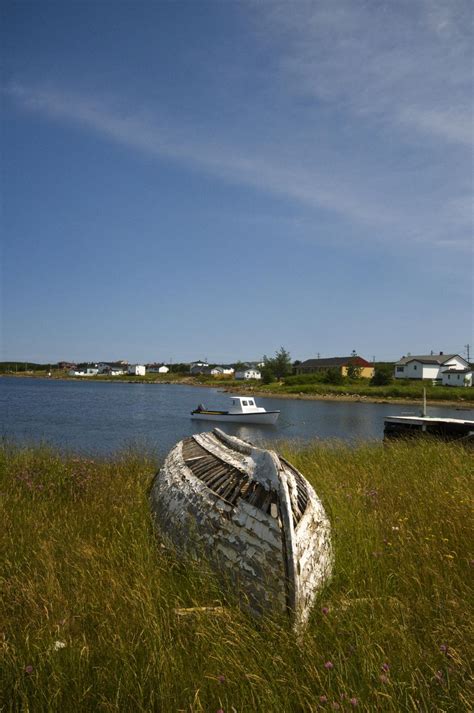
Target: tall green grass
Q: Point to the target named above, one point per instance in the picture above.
(413, 390)
(89, 618)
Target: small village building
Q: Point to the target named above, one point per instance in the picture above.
(428, 366)
(199, 367)
(342, 364)
(66, 365)
(456, 377)
(116, 371)
(112, 368)
(157, 368)
(246, 374)
(221, 371)
(89, 371)
(137, 369)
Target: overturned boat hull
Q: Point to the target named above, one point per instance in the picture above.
(252, 513)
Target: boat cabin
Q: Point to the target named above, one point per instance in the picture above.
(244, 404)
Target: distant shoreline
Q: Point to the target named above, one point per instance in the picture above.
(465, 405)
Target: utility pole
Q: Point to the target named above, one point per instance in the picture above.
(467, 347)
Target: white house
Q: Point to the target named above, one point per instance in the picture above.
(157, 369)
(116, 371)
(248, 374)
(90, 371)
(137, 369)
(456, 377)
(111, 368)
(428, 366)
(222, 371)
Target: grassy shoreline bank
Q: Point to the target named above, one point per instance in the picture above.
(88, 613)
(349, 393)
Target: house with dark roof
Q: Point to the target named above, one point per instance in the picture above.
(112, 368)
(428, 366)
(199, 367)
(342, 364)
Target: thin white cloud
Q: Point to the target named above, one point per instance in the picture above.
(446, 124)
(377, 203)
(392, 72)
(314, 189)
(397, 63)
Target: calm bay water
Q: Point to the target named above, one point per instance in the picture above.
(102, 417)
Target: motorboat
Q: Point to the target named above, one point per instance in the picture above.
(252, 514)
(446, 429)
(243, 409)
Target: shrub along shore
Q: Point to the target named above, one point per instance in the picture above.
(92, 606)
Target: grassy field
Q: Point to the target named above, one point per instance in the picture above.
(89, 618)
(412, 390)
(308, 386)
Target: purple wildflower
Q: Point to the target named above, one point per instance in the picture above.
(443, 648)
(29, 669)
(385, 667)
(325, 610)
(323, 699)
(353, 702)
(221, 678)
(329, 665)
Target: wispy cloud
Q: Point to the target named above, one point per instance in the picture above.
(398, 63)
(449, 124)
(145, 133)
(319, 181)
(395, 78)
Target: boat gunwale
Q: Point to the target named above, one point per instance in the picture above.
(244, 476)
(230, 413)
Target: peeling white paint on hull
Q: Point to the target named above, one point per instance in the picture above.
(254, 515)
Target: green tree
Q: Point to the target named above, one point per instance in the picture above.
(354, 369)
(383, 375)
(280, 364)
(179, 368)
(268, 375)
(333, 376)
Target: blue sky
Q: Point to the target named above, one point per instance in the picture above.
(212, 179)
